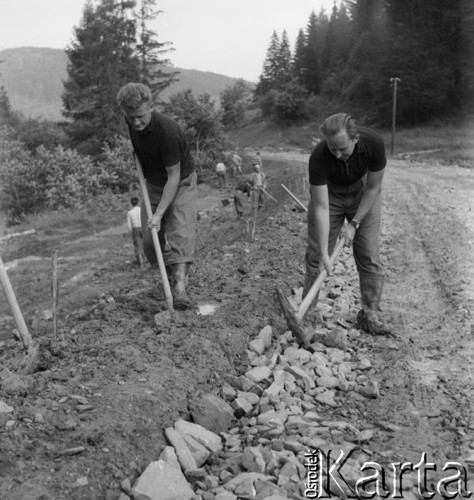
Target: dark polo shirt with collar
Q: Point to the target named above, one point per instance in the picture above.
(162, 144)
(368, 155)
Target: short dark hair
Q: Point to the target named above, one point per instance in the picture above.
(132, 95)
(340, 121)
(134, 201)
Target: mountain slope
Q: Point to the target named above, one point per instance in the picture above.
(33, 77)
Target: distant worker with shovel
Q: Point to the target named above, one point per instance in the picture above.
(168, 167)
(345, 174)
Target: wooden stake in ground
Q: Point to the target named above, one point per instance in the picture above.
(294, 197)
(154, 235)
(253, 222)
(30, 361)
(55, 292)
(14, 307)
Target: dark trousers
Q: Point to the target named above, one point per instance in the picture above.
(343, 204)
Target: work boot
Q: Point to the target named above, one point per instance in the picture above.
(368, 319)
(181, 300)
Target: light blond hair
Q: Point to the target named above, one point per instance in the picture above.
(132, 95)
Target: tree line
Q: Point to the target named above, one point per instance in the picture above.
(346, 61)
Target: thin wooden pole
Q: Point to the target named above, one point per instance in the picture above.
(394, 112)
(154, 235)
(14, 307)
(294, 197)
(55, 292)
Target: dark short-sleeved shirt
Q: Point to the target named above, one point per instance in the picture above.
(162, 144)
(368, 155)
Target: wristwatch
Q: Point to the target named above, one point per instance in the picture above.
(355, 223)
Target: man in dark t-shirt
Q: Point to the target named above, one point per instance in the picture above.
(345, 175)
(168, 167)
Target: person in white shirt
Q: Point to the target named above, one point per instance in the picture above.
(135, 227)
(237, 162)
(220, 171)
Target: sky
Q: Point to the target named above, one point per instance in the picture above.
(230, 37)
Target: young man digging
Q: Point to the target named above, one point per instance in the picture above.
(345, 175)
(169, 170)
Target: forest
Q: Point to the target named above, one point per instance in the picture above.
(346, 59)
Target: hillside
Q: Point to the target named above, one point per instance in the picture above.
(33, 78)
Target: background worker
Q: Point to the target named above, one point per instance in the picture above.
(168, 167)
(237, 163)
(221, 174)
(135, 228)
(258, 183)
(243, 188)
(258, 160)
(345, 175)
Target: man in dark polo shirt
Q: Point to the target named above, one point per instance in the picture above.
(345, 175)
(168, 167)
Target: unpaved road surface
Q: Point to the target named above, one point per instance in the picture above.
(112, 381)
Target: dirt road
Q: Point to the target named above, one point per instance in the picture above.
(113, 381)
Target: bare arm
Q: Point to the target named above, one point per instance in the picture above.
(169, 192)
(374, 185)
(320, 207)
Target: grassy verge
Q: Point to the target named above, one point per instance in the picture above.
(97, 214)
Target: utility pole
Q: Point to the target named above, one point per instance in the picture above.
(393, 83)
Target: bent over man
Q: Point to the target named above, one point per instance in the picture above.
(169, 170)
(345, 175)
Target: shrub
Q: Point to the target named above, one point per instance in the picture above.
(118, 163)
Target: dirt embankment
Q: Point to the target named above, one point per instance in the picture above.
(113, 382)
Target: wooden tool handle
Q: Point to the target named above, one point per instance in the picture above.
(294, 197)
(14, 307)
(154, 235)
(319, 281)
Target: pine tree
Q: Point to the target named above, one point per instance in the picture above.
(152, 64)
(312, 74)
(298, 67)
(101, 60)
(283, 62)
(338, 42)
(425, 53)
(270, 67)
(6, 114)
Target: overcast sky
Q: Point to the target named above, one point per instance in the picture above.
(230, 37)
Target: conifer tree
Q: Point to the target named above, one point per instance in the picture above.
(298, 67)
(283, 62)
(154, 68)
(101, 60)
(312, 80)
(6, 114)
(270, 67)
(425, 53)
(337, 42)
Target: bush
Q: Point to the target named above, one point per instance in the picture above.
(48, 180)
(118, 163)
